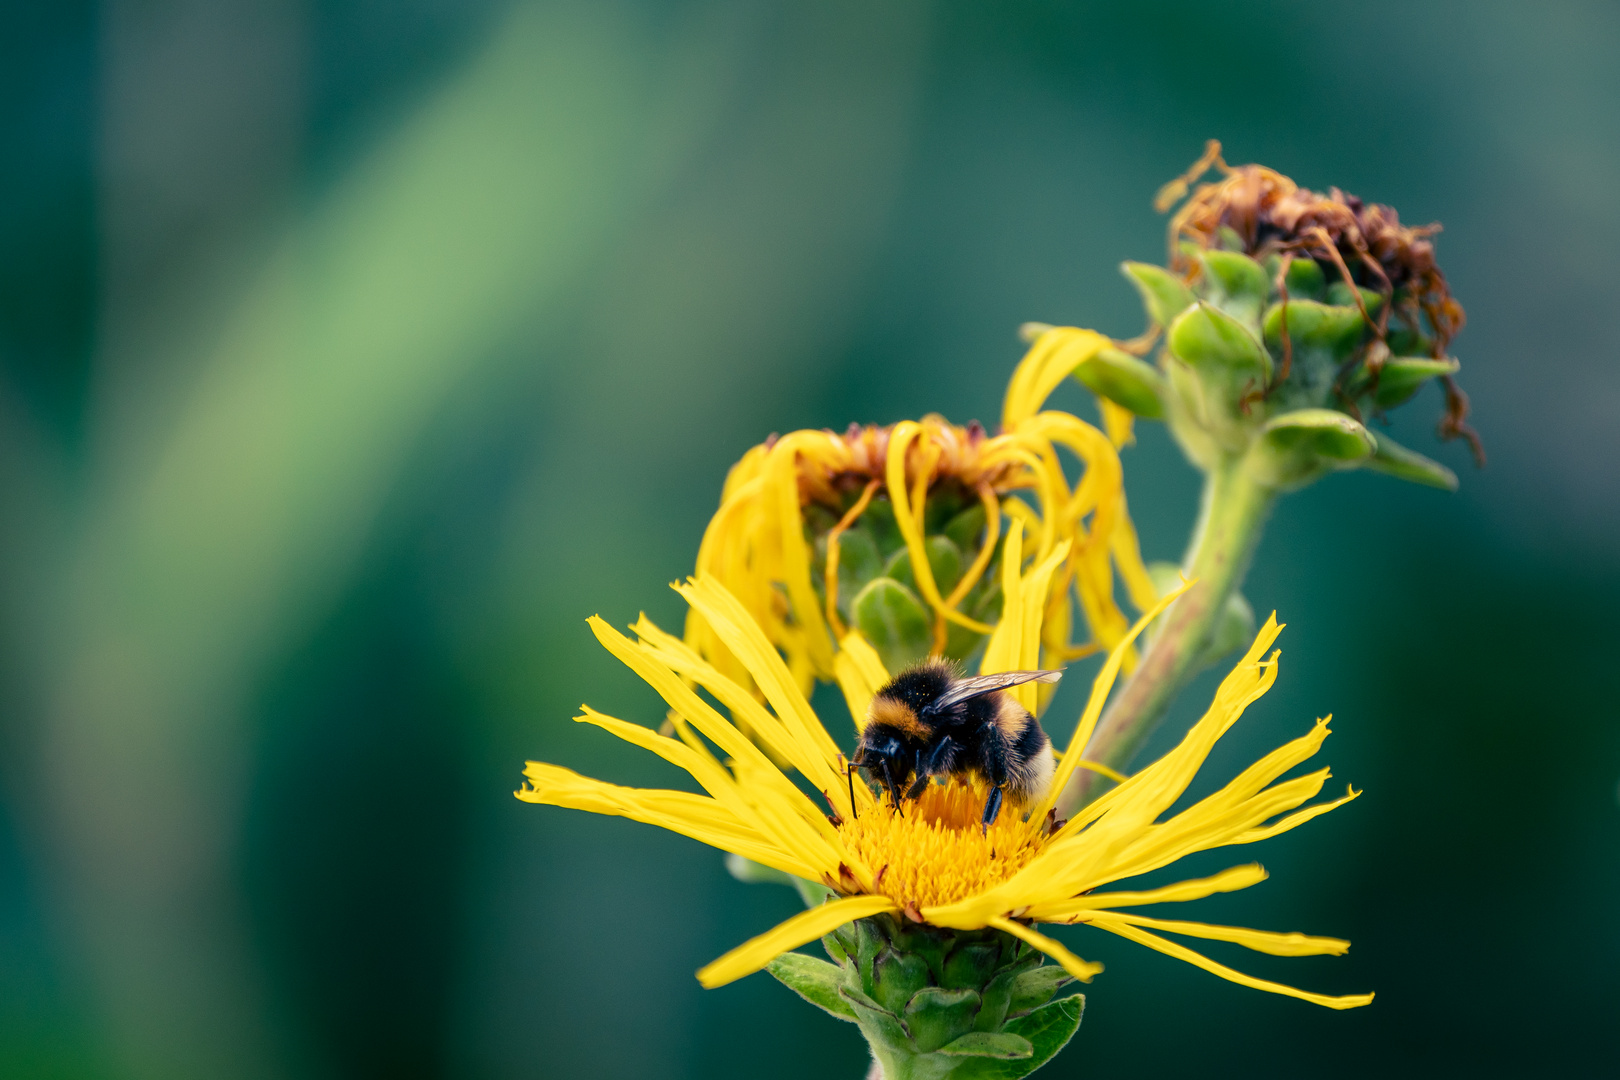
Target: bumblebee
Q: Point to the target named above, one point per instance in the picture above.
(930, 721)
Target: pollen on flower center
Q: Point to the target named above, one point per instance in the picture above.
(935, 851)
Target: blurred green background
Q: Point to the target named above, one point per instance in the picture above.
(352, 353)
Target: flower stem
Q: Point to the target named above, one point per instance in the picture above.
(1230, 520)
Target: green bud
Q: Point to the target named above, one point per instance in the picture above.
(1236, 284)
(890, 977)
(1124, 380)
(897, 624)
(1339, 293)
(1396, 460)
(1212, 341)
(1163, 294)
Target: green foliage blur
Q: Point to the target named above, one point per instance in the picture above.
(351, 354)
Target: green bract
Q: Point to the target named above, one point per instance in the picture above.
(933, 1003)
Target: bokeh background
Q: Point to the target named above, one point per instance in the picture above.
(352, 353)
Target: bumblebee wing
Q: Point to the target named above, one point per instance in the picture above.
(966, 689)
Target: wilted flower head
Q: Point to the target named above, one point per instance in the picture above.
(1362, 246)
(894, 531)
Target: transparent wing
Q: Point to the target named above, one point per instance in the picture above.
(966, 689)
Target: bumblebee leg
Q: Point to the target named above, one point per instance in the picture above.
(992, 809)
(918, 785)
(888, 782)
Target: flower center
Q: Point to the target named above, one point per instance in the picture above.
(936, 852)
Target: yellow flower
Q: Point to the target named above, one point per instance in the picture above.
(780, 536)
(934, 864)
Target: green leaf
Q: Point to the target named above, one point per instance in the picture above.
(1124, 380)
(1210, 340)
(1401, 376)
(814, 980)
(1035, 988)
(1234, 283)
(1163, 294)
(936, 1016)
(986, 1044)
(896, 977)
(1048, 1029)
(891, 617)
(1396, 460)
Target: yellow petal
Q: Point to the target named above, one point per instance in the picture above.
(1266, 941)
(1084, 970)
(1118, 421)
(801, 826)
(806, 926)
(744, 638)
(1181, 952)
(861, 674)
(1100, 686)
(1294, 821)
(1238, 877)
(702, 819)
(1049, 361)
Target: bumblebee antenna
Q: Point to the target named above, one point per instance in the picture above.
(849, 774)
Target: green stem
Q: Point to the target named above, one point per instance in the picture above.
(1229, 523)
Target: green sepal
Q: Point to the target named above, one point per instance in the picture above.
(814, 980)
(1048, 1029)
(1234, 283)
(1396, 460)
(1210, 340)
(1305, 280)
(1125, 380)
(994, 1002)
(971, 965)
(876, 1022)
(966, 529)
(891, 617)
(753, 873)
(1163, 294)
(1401, 376)
(1335, 329)
(896, 977)
(1297, 447)
(859, 561)
(1003, 1045)
(1339, 293)
(1035, 987)
(935, 1016)
(944, 559)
